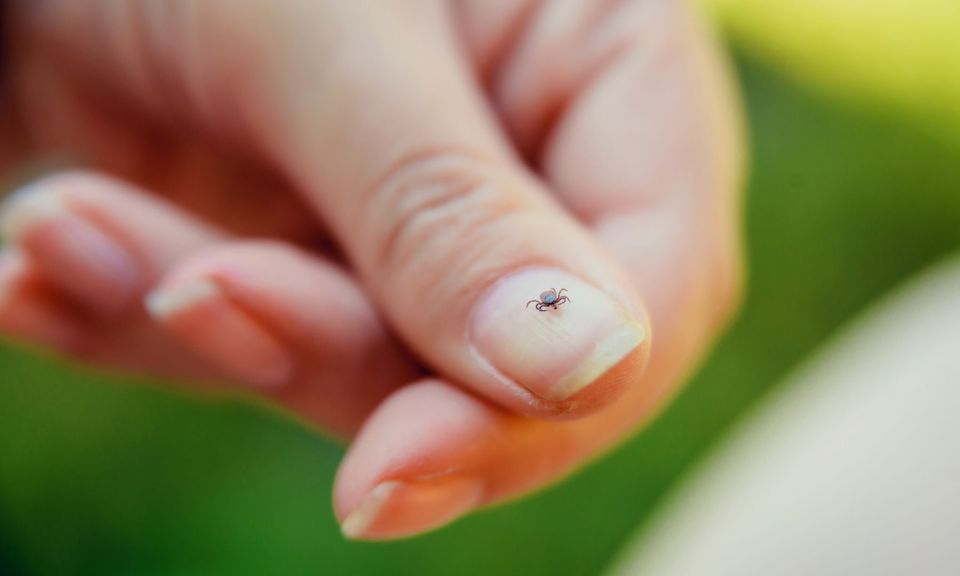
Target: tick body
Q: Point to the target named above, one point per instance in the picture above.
(550, 299)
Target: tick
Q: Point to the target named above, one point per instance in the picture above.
(550, 299)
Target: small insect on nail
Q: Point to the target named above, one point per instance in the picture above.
(550, 299)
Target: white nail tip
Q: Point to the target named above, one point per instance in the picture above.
(356, 524)
(168, 301)
(27, 207)
(604, 356)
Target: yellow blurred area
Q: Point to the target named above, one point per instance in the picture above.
(901, 53)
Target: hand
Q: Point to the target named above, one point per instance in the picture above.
(423, 166)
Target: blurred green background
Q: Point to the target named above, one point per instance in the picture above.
(854, 111)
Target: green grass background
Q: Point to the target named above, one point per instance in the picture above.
(108, 476)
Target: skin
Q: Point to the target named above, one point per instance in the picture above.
(310, 212)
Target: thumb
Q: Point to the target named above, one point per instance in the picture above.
(452, 236)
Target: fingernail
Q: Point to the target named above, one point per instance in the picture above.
(201, 314)
(358, 522)
(554, 352)
(396, 508)
(166, 302)
(27, 207)
(77, 255)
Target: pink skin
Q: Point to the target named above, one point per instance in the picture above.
(624, 110)
(278, 304)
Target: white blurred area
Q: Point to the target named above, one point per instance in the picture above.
(852, 467)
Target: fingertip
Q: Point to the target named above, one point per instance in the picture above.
(564, 351)
(397, 509)
(25, 207)
(287, 322)
(418, 463)
(623, 363)
(202, 316)
(84, 260)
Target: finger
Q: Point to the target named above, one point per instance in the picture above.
(100, 240)
(295, 326)
(677, 236)
(90, 246)
(448, 231)
(257, 314)
(404, 475)
(74, 254)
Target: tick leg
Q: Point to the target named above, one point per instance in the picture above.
(529, 302)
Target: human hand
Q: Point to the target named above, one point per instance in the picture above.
(463, 156)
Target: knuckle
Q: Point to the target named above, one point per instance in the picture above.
(439, 205)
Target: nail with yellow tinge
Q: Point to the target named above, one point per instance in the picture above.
(395, 508)
(553, 348)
